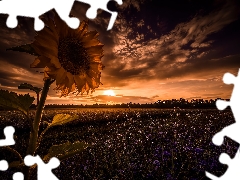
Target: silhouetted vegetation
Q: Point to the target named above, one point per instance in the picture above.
(174, 103)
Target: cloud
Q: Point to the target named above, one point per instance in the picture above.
(184, 51)
(103, 99)
(134, 3)
(142, 57)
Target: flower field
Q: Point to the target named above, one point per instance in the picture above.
(130, 143)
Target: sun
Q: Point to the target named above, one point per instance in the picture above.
(109, 93)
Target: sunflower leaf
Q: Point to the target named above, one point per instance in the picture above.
(29, 86)
(61, 119)
(27, 48)
(65, 150)
(13, 101)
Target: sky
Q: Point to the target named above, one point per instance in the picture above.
(156, 50)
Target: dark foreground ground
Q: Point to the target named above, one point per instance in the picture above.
(131, 144)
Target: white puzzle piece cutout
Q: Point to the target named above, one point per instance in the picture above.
(36, 8)
(231, 131)
(44, 171)
(18, 176)
(8, 141)
(8, 132)
(4, 167)
(232, 172)
(101, 4)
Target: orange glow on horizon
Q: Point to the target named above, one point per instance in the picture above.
(109, 93)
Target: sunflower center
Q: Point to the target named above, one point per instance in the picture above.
(73, 56)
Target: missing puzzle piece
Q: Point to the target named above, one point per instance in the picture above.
(36, 8)
(230, 131)
(44, 170)
(100, 4)
(4, 166)
(8, 132)
(232, 172)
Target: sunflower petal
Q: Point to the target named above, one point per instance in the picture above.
(49, 34)
(95, 50)
(92, 42)
(87, 88)
(59, 87)
(80, 81)
(64, 92)
(47, 53)
(40, 62)
(49, 72)
(89, 35)
(46, 76)
(64, 88)
(57, 22)
(51, 25)
(89, 82)
(47, 41)
(95, 84)
(83, 28)
(43, 46)
(96, 58)
(47, 44)
(61, 75)
(63, 30)
(70, 82)
(96, 66)
(93, 74)
(62, 27)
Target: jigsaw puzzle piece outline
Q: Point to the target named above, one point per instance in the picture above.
(232, 172)
(43, 170)
(229, 78)
(64, 12)
(36, 8)
(230, 131)
(18, 176)
(4, 166)
(101, 4)
(8, 132)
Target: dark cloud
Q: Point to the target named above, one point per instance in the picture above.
(202, 68)
(185, 50)
(167, 48)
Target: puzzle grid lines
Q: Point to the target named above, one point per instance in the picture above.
(231, 131)
(44, 170)
(36, 8)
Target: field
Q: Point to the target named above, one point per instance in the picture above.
(171, 144)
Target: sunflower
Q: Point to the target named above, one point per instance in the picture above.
(70, 56)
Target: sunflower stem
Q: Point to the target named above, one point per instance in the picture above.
(37, 98)
(36, 123)
(38, 117)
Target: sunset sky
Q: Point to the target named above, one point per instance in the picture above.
(157, 50)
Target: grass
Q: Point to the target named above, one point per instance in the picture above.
(132, 144)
